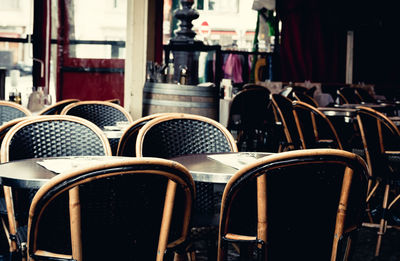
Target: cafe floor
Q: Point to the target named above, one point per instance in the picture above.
(363, 249)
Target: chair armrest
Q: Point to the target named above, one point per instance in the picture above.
(238, 238)
(177, 249)
(325, 142)
(245, 241)
(393, 156)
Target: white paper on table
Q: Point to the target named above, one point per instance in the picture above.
(235, 160)
(69, 164)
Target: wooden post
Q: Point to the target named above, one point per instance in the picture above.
(135, 62)
(349, 57)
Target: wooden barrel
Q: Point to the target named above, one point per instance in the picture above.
(165, 97)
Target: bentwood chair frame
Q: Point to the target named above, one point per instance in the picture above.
(48, 136)
(182, 134)
(315, 129)
(8, 125)
(116, 101)
(57, 107)
(225, 137)
(381, 140)
(300, 96)
(127, 142)
(283, 109)
(365, 96)
(101, 113)
(174, 204)
(3, 207)
(11, 110)
(348, 95)
(255, 210)
(251, 117)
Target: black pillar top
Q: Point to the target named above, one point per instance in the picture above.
(186, 15)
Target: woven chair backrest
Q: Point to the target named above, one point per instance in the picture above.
(127, 142)
(182, 134)
(290, 199)
(121, 211)
(99, 112)
(379, 134)
(56, 108)
(53, 136)
(314, 127)
(11, 110)
(300, 96)
(350, 95)
(249, 109)
(284, 108)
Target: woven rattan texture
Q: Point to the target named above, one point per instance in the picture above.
(9, 113)
(121, 217)
(128, 140)
(100, 114)
(55, 138)
(317, 184)
(57, 108)
(183, 136)
(286, 108)
(178, 137)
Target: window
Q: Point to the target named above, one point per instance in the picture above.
(9, 4)
(220, 6)
(98, 33)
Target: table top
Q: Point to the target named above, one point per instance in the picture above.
(203, 168)
(350, 110)
(28, 173)
(31, 174)
(338, 111)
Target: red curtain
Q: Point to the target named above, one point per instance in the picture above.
(313, 47)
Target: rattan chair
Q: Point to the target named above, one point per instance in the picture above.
(315, 129)
(252, 119)
(182, 134)
(11, 110)
(284, 115)
(347, 95)
(300, 96)
(57, 107)
(116, 101)
(46, 136)
(137, 209)
(381, 140)
(365, 96)
(296, 205)
(8, 125)
(3, 207)
(100, 113)
(127, 142)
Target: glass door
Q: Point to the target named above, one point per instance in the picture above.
(90, 38)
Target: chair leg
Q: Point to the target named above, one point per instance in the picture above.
(370, 194)
(383, 222)
(191, 255)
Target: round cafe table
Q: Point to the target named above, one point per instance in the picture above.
(31, 174)
(204, 168)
